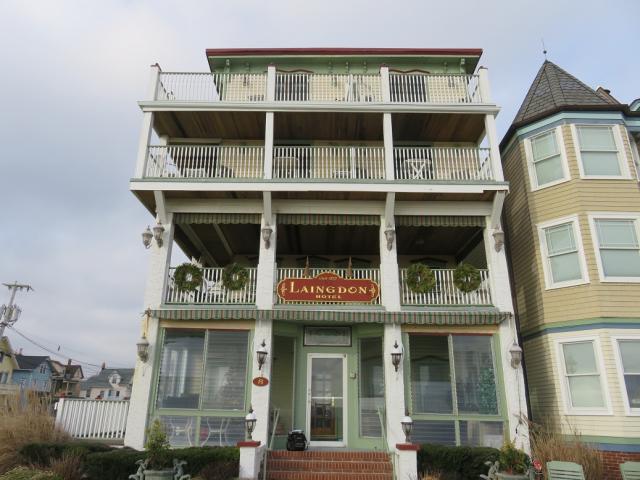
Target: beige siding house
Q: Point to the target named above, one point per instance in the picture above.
(573, 227)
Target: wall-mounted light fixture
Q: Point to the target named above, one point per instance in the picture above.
(250, 422)
(143, 348)
(261, 354)
(390, 235)
(158, 231)
(516, 355)
(147, 235)
(498, 239)
(266, 236)
(396, 356)
(407, 426)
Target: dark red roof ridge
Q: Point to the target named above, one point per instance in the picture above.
(240, 52)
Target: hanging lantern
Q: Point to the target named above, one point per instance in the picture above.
(158, 231)
(396, 356)
(146, 237)
(261, 354)
(143, 348)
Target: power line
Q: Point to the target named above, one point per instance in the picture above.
(58, 353)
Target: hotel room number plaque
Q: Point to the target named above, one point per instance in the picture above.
(328, 287)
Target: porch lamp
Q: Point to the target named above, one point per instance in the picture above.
(143, 348)
(250, 422)
(146, 237)
(158, 231)
(390, 235)
(498, 239)
(261, 354)
(516, 355)
(407, 426)
(266, 236)
(396, 355)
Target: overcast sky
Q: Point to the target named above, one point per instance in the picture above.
(72, 71)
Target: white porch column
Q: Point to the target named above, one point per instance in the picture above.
(387, 132)
(147, 125)
(260, 396)
(268, 124)
(483, 85)
(517, 429)
(159, 262)
(390, 289)
(494, 147)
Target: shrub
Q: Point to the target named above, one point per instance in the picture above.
(223, 470)
(44, 453)
(513, 460)
(548, 445)
(69, 467)
(456, 463)
(24, 418)
(157, 447)
(24, 473)
(119, 464)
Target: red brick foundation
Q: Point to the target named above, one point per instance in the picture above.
(612, 461)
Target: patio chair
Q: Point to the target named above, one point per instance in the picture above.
(630, 470)
(564, 471)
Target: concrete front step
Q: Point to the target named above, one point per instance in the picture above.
(328, 465)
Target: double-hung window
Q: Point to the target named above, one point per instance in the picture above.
(453, 390)
(600, 153)
(582, 377)
(563, 255)
(628, 356)
(201, 390)
(547, 163)
(617, 242)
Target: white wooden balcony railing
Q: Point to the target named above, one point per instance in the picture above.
(92, 419)
(328, 163)
(212, 290)
(212, 87)
(430, 88)
(323, 88)
(445, 292)
(442, 163)
(205, 161)
(357, 273)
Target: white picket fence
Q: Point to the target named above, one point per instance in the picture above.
(445, 292)
(90, 419)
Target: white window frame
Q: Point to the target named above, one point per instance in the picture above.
(593, 216)
(615, 344)
(569, 409)
(623, 161)
(533, 178)
(544, 252)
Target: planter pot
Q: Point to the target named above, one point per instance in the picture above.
(512, 476)
(158, 474)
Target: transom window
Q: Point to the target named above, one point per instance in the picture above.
(629, 357)
(582, 380)
(599, 154)
(562, 252)
(454, 395)
(546, 158)
(618, 248)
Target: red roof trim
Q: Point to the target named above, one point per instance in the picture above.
(254, 52)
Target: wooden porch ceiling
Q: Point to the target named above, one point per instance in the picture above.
(327, 240)
(436, 240)
(328, 126)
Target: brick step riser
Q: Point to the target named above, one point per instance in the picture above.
(327, 476)
(330, 456)
(328, 466)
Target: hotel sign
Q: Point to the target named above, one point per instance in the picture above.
(328, 288)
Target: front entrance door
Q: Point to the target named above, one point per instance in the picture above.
(326, 398)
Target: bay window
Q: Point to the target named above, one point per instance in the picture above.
(201, 392)
(562, 252)
(628, 356)
(454, 390)
(599, 152)
(547, 164)
(617, 245)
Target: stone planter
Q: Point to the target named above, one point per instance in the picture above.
(512, 476)
(158, 474)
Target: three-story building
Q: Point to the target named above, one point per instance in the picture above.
(328, 198)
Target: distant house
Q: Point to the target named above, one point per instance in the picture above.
(109, 384)
(65, 379)
(33, 373)
(7, 365)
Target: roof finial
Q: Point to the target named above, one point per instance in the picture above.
(544, 49)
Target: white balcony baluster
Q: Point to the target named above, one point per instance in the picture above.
(445, 292)
(433, 88)
(442, 163)
(328, 88)
(92, 419)
(212, 87)
(212, 290)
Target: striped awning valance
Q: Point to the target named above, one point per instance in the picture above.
(480, 317)
(319, 219)
(193, 218)
(440, 221)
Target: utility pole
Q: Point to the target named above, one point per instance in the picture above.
(10, 313)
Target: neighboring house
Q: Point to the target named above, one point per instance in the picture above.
(324, 178)
(7, 365)
(33, 373)
(109, 384)
(65, 379)
(573, 230)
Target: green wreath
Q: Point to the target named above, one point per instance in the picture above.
(466, 278)
(420, 278)
(188, 277)
(234, 277)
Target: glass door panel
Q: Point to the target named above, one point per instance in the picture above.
(326, 399)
